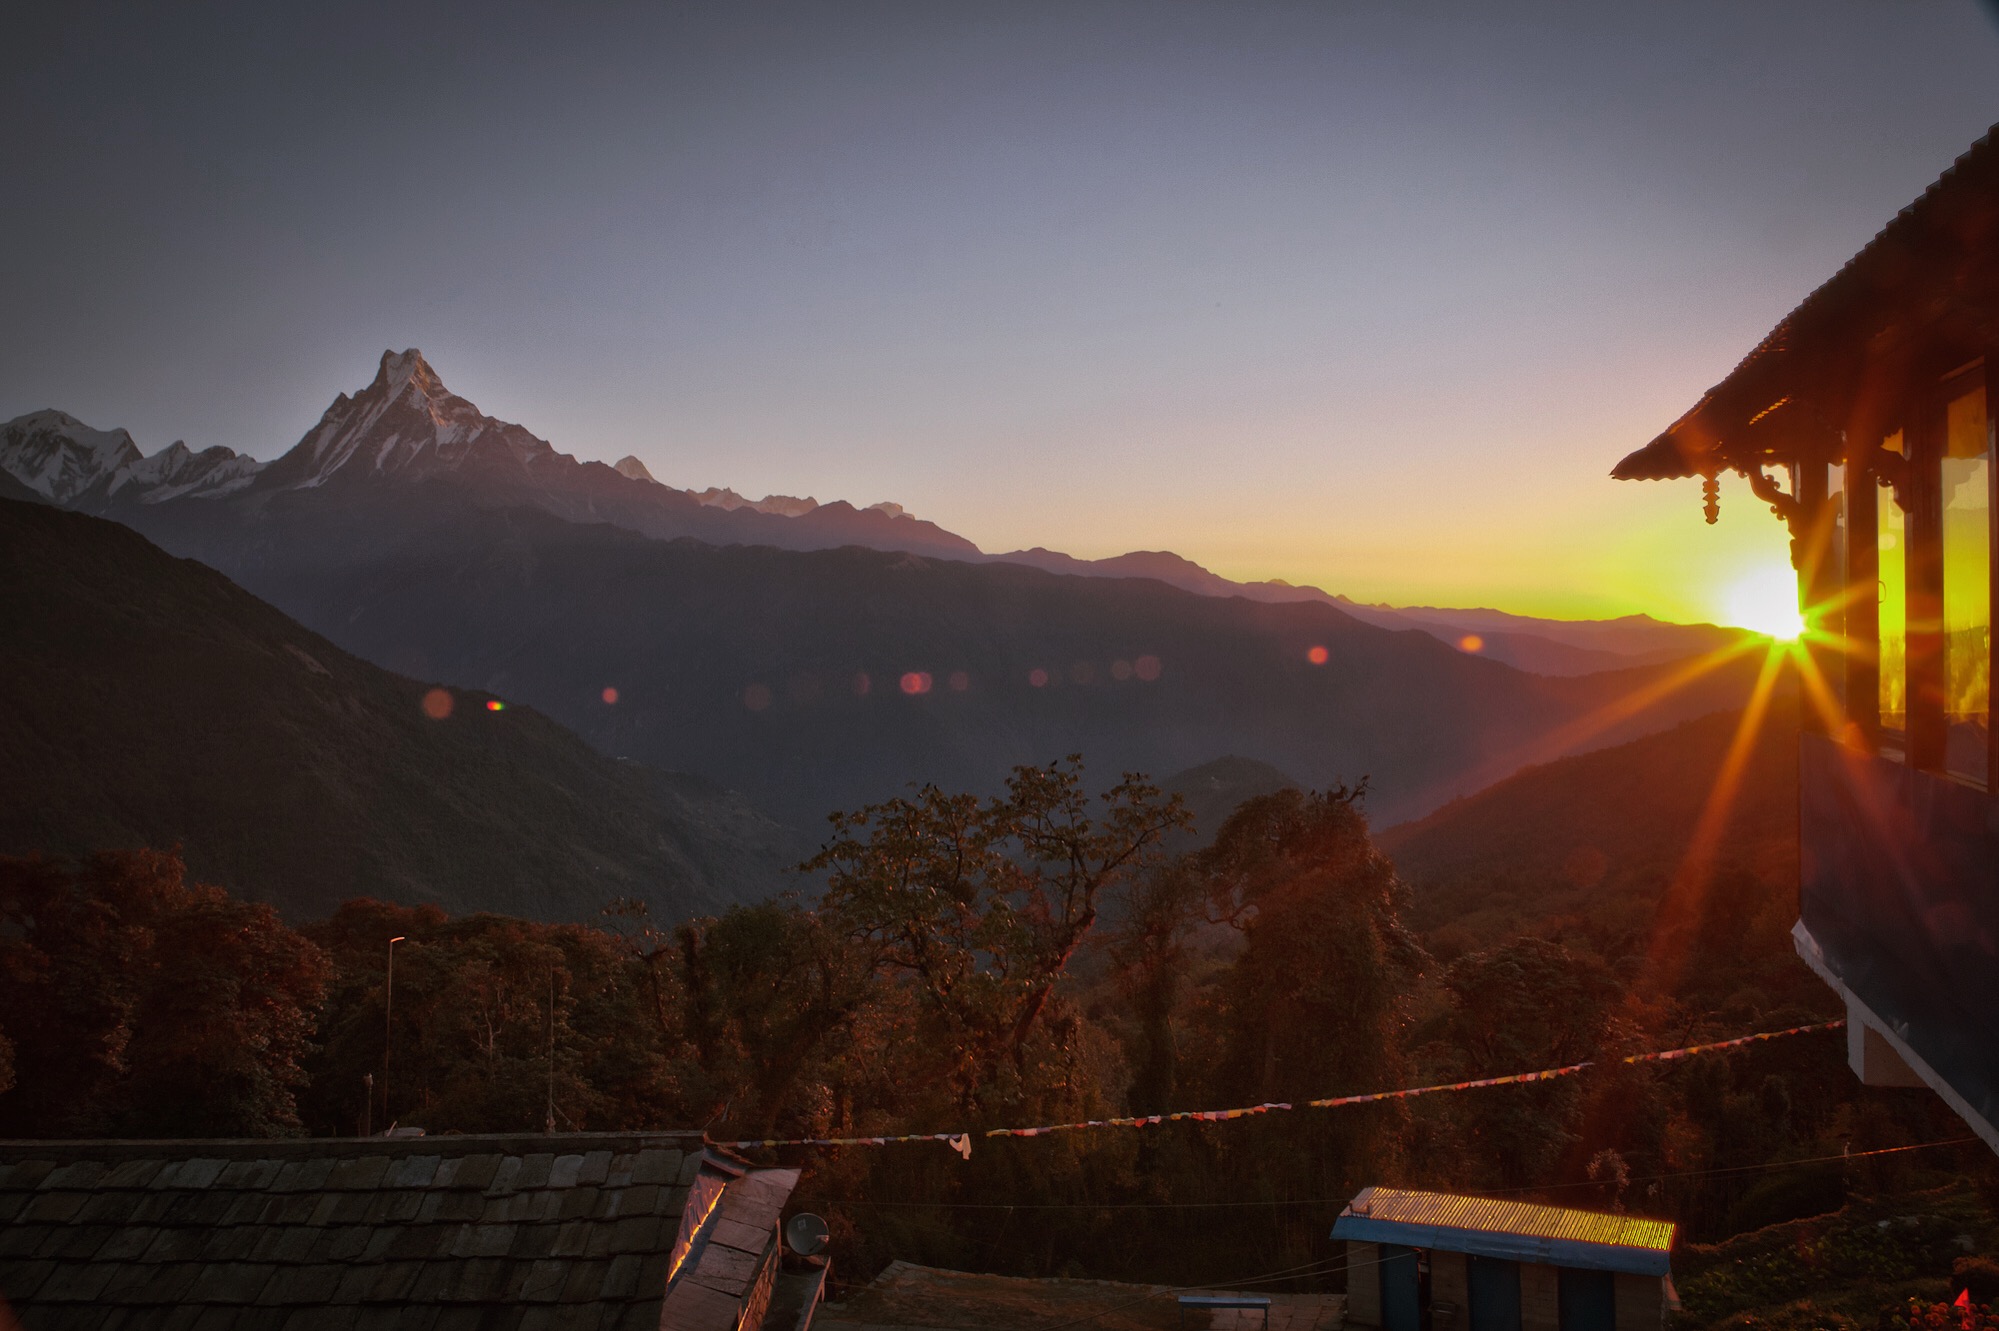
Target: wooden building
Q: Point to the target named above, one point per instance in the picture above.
(654, 1233)
(1862, 422)
(1433, 1261)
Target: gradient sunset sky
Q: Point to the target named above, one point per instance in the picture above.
(1365, 295)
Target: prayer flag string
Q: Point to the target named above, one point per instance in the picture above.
(962, 1141)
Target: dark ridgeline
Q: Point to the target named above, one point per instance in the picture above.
(420, 534)
(741, 662)
(147, 701)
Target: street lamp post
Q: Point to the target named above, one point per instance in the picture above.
(389, 1029)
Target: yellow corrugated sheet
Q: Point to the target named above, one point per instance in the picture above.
(1527, 1218)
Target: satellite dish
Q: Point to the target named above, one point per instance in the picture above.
(805, 1233)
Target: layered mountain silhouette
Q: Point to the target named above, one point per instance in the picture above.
(816, 680)
(819, 656)
(147, 701)
(406, 425)
(1595, 840)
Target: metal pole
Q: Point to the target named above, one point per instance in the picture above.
(388, 1029)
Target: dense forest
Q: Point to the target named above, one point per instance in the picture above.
(953, 963)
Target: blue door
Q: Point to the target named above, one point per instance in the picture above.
(1401, 1289)
(1495, 1294)
(1588, 1300)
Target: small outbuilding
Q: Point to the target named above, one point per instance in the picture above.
(1433, 1261)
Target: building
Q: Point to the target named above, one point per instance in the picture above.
(1431, 1261)
(578, 1231)
(1862, 422)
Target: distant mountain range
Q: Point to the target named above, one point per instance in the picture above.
(146, 701)
(818, 656)
(406, 426)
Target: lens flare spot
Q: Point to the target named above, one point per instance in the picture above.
(1318, 655)
(915, 682)
(1120, 670)
(756, 697)
(1038, 677)
(610, 697)
(862, 684)
(1147, 668)
(1471, 642)
(960, 681)
(495, 705)
(437, 704)
(1766, 601)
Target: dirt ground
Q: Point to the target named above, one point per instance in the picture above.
(912, 1297)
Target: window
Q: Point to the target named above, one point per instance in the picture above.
(1892, 539)
(1967, 580)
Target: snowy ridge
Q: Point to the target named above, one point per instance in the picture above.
(783, 506)
(177, 471)
(58, 456)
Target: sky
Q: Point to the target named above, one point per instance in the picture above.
(1369, 296)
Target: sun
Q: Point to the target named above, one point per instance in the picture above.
(1766, 601)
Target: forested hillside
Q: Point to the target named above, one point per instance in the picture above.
(147, 701)
(1042, 957)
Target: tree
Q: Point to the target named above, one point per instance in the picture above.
(139, 1004)
(1528, 1004)
(1316, 999)
(980, 906)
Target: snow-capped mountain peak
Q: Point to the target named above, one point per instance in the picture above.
(404, 423)
(58, 456)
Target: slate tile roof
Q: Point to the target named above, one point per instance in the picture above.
(415, 1234)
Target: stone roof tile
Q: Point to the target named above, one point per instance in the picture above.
(476, 1171)
(657, 1167)
(565, 1171)
(532, 1242)
(30, 1173)
(76, 1174)
(236, 1174)
(435, 1234)
(544, 1281)
(535, 1170)
(361, 1173)
(54, 1207)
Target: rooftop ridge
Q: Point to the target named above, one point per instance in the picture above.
(265, 1148)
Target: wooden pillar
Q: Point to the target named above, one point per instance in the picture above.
(1540, 1297)
(1818, 590)
(1450, 1283)
(1641, 1302)
(1928, 727)
(1364, 1284)
(1992, 566)
(1863, 585)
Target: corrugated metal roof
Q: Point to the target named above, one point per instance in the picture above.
(1523, 1231)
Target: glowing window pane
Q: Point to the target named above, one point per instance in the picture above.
(1967, 580)
(1891, 534)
